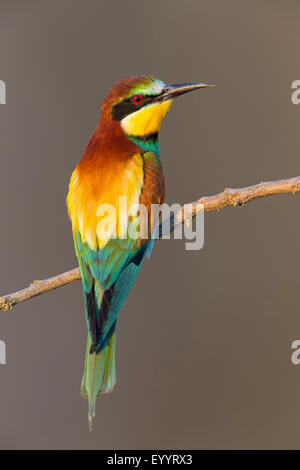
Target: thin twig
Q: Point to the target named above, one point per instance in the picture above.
(38, 288)
(239, 196)
(228, 197)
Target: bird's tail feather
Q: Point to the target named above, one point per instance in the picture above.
(99, 374)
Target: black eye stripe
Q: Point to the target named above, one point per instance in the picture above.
(127, 106)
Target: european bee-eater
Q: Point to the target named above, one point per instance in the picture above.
(122, 159)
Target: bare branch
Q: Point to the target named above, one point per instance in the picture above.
(38, 288)
(228, 197)
(239, 196)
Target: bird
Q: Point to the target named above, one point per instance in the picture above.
(121, 160)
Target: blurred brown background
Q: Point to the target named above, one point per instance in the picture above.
(204, 340)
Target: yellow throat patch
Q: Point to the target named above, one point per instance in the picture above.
(146, 120)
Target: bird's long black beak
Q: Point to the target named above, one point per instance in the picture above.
(177, 89)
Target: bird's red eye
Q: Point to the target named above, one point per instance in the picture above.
(137, 99)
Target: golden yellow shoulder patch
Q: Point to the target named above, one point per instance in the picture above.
(100, 216)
